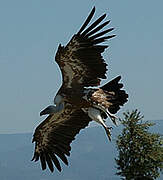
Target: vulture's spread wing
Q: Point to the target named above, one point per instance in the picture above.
(54, 135)
(80, 61)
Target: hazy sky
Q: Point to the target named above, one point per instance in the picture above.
(30, 32)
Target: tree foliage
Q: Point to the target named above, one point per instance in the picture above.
(140, 152)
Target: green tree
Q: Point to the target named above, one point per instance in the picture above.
(140, 152)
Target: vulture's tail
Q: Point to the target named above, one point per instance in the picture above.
(109, 98)
(115, 96)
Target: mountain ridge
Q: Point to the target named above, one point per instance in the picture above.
(92, 157)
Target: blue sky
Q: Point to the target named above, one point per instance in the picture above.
(30, 32)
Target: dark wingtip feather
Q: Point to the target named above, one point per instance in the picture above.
(49, 162)
(97, 29)
(63, 158)
(61, 155)
(92, 26)
(35, 157)
(43, 162)
(87, 20)
(102, 39)
(101, 33)
(56, 162)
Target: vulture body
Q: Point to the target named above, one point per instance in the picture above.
(79, 100)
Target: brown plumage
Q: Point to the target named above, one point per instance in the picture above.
(82, 65)
(54, 135)
(80, 60)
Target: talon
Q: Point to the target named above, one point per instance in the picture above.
(107, 129)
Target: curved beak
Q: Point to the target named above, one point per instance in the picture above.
(52, 109)
(48, 110)
(43, 112)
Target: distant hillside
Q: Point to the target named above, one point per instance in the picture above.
(92, 157)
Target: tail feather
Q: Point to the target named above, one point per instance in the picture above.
(116, 96)
(113, 85)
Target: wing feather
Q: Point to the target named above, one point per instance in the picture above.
(92, 26)
(101, 33)
(100, 40)
(54, 135)
(98, 28)
(56, 162)
(87, 20)
(60, 155)
(43, 161)
(80, 61)
(49, 161)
